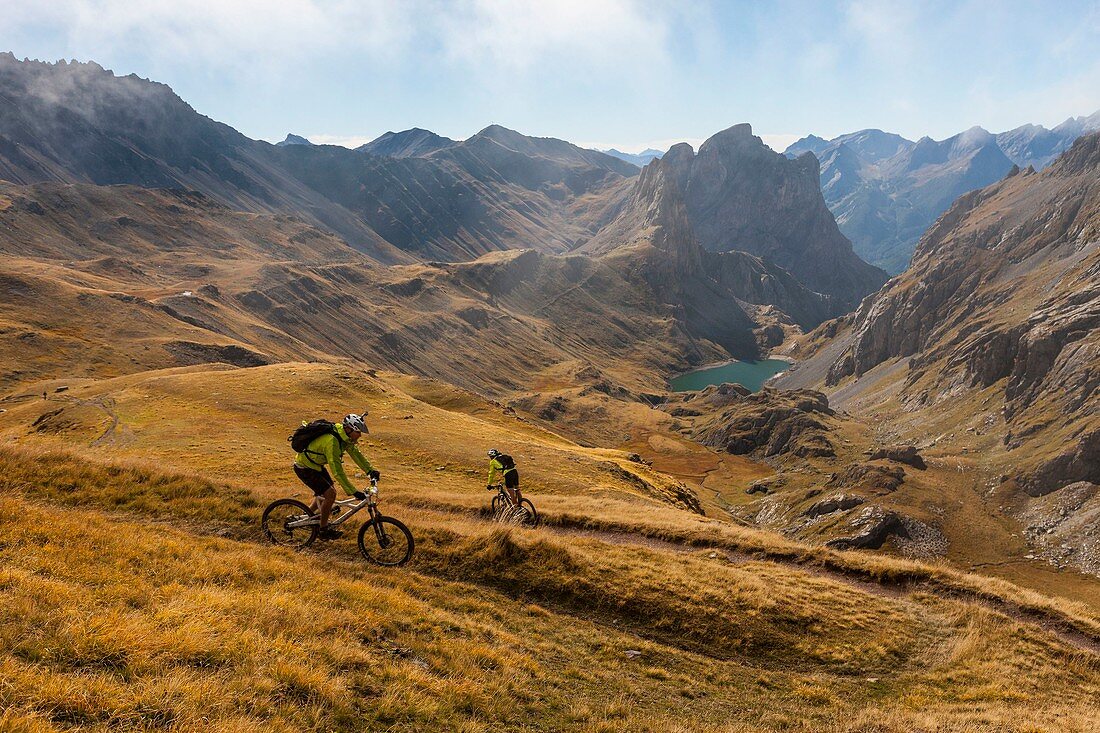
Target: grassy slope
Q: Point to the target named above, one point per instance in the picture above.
(486, 628)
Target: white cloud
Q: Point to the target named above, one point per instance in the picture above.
(233, 38)
(516, 34)
(608, 36)
(888, 29)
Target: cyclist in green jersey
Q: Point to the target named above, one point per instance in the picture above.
(328, 449)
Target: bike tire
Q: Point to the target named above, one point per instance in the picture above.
(275, 517)
(498, 504)
(533, 516)
(392, 555)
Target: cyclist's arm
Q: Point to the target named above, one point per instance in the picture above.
(359, 458)
(494, 466)
(336, 463)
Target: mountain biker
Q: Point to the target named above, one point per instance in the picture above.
(328, 448)
(501, 462)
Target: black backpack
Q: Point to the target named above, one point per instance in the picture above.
(306, 433)
(506, 461)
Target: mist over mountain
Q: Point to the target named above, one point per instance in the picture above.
(885, 191)
(498, 190)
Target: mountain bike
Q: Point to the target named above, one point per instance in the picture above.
(505, 511)
(382, 540)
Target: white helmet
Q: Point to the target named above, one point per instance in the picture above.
(356, 423)
(493, 453)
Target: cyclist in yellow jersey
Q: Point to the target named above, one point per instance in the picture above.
(506, 466)
(328, 449)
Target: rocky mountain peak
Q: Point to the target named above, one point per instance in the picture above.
(292, 139)
(973, 138)
(739, 194)
(406, 144)
(735, 136)
(810, 143)
(505, 136)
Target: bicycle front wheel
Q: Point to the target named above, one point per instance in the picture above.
(277, 518)
(386, 541)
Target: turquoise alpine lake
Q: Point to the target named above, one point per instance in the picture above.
(749, 374)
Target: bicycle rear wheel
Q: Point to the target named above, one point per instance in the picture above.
(529, 517)
(386, 541)
(279, 514)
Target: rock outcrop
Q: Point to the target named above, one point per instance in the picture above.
(771, 423)
(870, 530)
(1063, 527)
(737, 194)
(907, 454)
(868, 478)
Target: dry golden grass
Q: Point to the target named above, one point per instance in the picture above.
(108, 621)
(232, 424)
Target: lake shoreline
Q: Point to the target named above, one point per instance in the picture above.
(751, 379)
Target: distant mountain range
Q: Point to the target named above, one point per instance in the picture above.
(79, 123)
(885, 190)
(641, 159)
(745, 249)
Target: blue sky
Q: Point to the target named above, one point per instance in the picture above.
(625, 73)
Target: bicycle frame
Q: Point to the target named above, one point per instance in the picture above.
(501, 492)
(370, 503)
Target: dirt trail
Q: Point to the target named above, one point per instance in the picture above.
(1061, 628)
(106, 404)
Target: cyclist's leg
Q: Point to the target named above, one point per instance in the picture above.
(511, 485)
(320, 483)
(327, 500)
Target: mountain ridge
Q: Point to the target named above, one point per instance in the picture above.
(884, 201)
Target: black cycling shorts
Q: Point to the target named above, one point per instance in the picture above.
(511, 479)
(319, 481)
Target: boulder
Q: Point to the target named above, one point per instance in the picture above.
(868, 478)
(873, 527)
(834, 503)
(901, 454)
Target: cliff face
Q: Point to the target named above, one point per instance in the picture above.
(737, 300)
(740, 195)
(1004, 292)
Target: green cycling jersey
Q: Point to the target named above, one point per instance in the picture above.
(329, 450)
